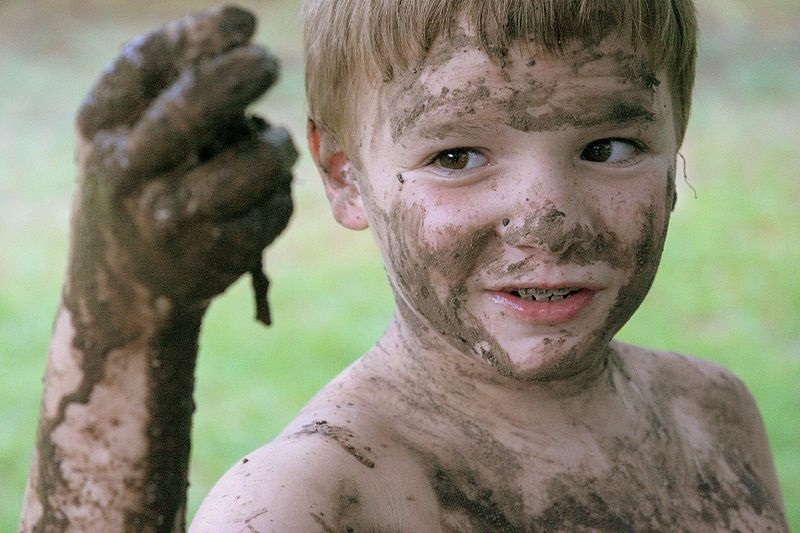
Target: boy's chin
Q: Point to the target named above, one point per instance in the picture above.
(545, 363)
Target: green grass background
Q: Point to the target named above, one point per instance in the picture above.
(728, 289)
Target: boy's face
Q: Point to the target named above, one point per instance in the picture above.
(521, 206)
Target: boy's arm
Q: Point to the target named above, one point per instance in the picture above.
(178, 194)
(752, 436)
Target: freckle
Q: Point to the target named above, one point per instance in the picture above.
(506, 222)
(532, 62)
(400, 178)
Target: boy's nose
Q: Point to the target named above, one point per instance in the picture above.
(547, 228)
(550, 213)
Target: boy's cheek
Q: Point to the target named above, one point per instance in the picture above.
(644, 261)
(431, 257)
(430, 268)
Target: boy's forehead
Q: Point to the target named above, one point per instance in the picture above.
(526, 88)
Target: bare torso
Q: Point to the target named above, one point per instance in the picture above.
(657, 442)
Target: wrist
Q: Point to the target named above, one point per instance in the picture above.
(112, 311)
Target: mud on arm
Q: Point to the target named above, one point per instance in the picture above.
(178, 194)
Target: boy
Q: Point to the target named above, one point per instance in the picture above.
(515, 161)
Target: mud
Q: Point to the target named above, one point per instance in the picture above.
(569, 514)
(455, 262)
(347, 515)
(647, 257)
(579, 245)
(465, 99)
(150, 63)
(474, 476)
(343, 437)
(649, 482)
(552, 112)
(583, 115)
(638, 71)
(644, 469)
(466, 506)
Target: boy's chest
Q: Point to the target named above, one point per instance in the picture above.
(577, 486)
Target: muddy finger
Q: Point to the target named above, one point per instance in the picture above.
(213, 255)
(237, 178)
(150, 63)
(204, 104)
(238, 243)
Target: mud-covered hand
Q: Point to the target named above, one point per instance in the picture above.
(178, 194)
(179, 191)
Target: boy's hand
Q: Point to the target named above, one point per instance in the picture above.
(179, 191)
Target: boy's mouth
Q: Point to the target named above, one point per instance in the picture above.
(545, 295)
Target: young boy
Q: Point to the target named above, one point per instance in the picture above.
(515, 161)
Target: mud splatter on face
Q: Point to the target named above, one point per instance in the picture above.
(672, 191)
(638, 71)
(580, 244)
(431, 280)
(438, 267)
(647, 257)
(464, 98)
(421, 270)
(534, 104)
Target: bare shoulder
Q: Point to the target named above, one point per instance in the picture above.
(716, 416)
(659, 364)
(333, 469)
(702, 387)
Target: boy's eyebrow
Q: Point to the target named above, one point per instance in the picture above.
(457, 127)
(614, 110)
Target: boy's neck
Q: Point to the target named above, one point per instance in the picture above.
(409, 350)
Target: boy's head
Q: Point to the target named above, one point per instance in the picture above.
(351, 45)
(514, 160)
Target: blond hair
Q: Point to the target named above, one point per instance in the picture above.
(352, 44)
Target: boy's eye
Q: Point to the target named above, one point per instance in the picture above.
(609, 151)
(458, 159)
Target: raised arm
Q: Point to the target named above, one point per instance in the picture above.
(178, 194)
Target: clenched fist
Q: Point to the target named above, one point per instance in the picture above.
(179, 190)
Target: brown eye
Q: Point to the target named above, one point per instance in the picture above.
(609, 151)
(453, 159)
(597, 152)
(458, 159)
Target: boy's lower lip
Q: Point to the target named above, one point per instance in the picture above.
(544, 313)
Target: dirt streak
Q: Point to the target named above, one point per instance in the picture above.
(536, 108)
(342, 436)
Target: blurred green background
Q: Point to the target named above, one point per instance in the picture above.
(728, 289)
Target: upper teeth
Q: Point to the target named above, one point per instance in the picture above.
(544, 295)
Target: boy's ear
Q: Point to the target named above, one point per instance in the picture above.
(337, 175)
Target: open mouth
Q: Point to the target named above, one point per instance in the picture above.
(545, 295)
